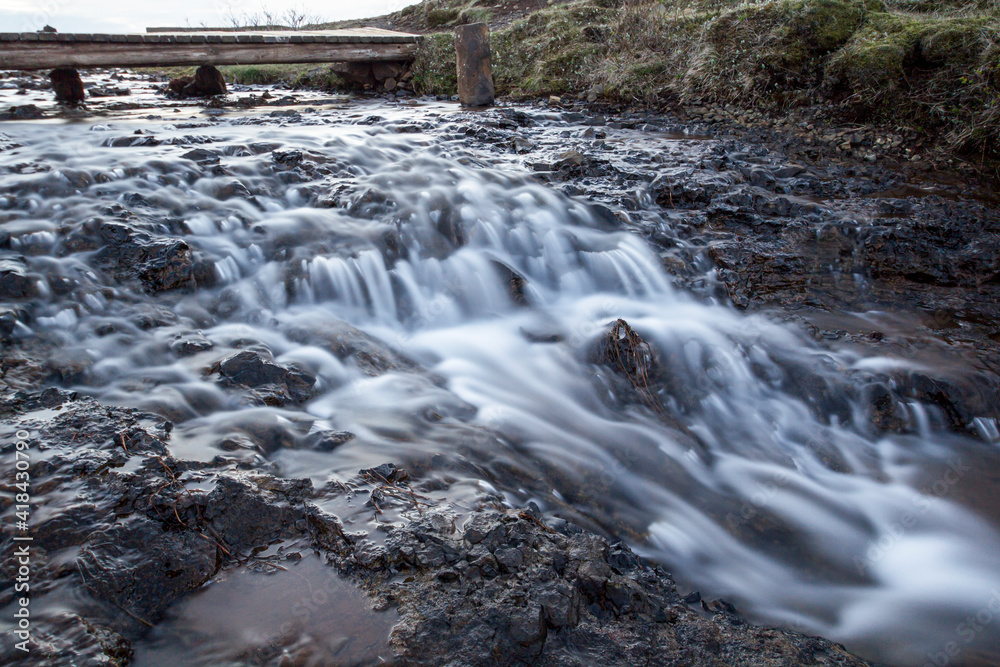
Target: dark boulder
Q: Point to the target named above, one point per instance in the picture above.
(206, 82)
(159, 263)
(140, 568)
(23, 112)
(273, 384)
(15, 282)
(67, 85)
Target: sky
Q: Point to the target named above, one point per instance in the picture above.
(136, 16)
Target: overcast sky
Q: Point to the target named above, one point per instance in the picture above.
(136, 15)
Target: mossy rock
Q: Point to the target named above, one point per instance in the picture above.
(550, 51)
(439, 17)
(954, 42)
(869, 65)
(473, 15)
(759, 50)
(880, 55)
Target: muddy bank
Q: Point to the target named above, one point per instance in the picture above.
(256, 309)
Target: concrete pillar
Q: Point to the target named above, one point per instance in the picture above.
(67, 85)
(475, 74)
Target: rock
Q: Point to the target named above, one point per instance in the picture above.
(571, 160)
(522, 144)
(202, 156)
(67, 85)
(23, 112)
(554, 593)
(250, 370)
(108, 91)
(141, 568)
(555, 100)
(190, 344)
(15, 282)
(160, 263)
(206, 82)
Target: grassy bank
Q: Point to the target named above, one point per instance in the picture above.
(929, 65)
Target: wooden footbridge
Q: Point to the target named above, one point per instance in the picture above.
(65, 53)
(55, 50)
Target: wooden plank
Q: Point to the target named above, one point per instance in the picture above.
(24, 55)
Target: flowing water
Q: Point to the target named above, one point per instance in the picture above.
(757, 477)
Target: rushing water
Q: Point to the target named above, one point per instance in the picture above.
(759, 479)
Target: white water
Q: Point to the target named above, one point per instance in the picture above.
(746, 485)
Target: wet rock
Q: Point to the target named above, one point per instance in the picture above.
(250, 370)
(368, 354)
(287, 158)
(206, 82)
(202, 156)
(159, 263)
(685, 186)
(141, 569)
(15, 281)
(108, 91)
(555, 594)
(622, 349)
(67, 85)
(516, 283)
(328, 441)
(570, 161)
(385, 473)
(23, 112)
(9, 320)
(191, 344)
(244, 515)
(522, 144)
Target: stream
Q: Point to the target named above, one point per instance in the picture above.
(325, 286)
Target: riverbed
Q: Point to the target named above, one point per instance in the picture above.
(310, 285)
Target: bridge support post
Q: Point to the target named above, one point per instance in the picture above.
(67, 85)
(475, 72)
